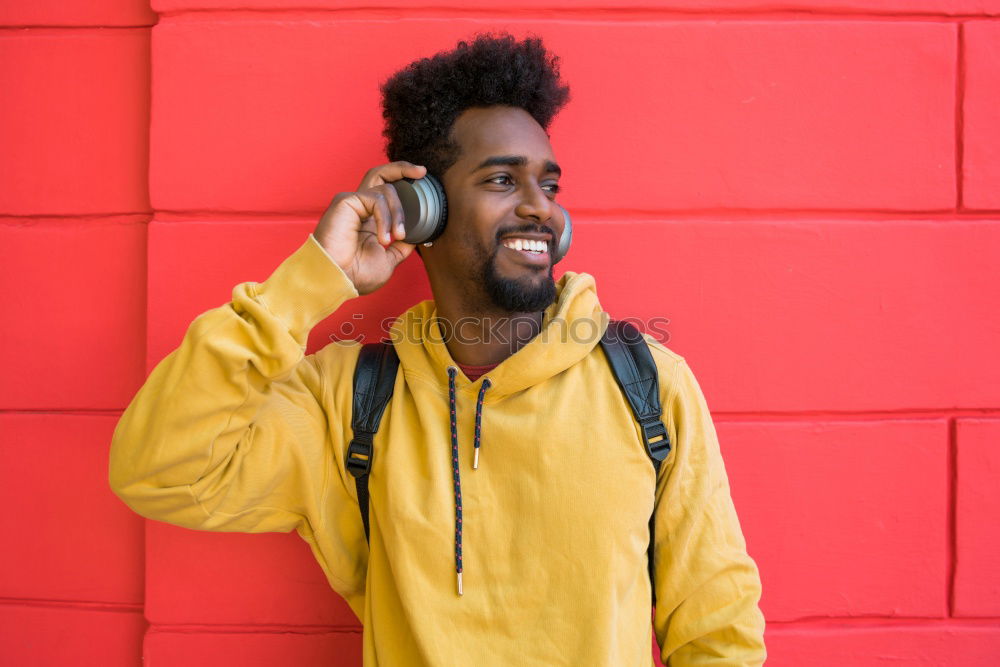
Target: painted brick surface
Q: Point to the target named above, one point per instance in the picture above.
(312, 649)
(76, 13)
(52, 635)
(802, 315)
(706, 115)
(234, 579)
(977, 572)
(916, 645)
(844, 518)
(719, 7)
(981, 127)
(75, 296)
(74, 121)
(75, 540)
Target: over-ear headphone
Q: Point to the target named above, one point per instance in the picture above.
(425, 212)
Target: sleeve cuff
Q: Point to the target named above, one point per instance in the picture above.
(305, 288)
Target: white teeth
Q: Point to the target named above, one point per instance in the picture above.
(527, 245)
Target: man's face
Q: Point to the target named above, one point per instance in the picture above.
(501, 191)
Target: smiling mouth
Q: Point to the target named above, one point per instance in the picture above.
(529, 246)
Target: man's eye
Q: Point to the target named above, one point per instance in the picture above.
(504, 179)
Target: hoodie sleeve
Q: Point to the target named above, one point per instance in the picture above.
(707, 586)
(229, 431)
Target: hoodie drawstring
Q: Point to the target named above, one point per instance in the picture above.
(479, 421)
(456, 477)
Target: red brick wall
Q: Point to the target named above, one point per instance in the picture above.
(808, 189)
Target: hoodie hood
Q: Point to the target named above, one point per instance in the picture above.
(571, 326)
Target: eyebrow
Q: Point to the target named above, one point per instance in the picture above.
(516, 161)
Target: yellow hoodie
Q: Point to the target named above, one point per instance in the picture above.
(237, 430)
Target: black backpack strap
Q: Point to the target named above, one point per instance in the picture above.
(636, 374)
(635, 371)
(374, 379)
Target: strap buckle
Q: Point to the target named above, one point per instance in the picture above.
(359, 454)
(656, 439)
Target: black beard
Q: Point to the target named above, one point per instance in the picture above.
(517, 296)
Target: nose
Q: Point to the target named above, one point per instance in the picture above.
(535, 204)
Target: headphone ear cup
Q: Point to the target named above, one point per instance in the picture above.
(565, 239)
(425, 208)
(442, 205)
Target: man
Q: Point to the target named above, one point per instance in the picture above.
(510, 492)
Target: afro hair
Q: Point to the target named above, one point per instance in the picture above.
(421, 102)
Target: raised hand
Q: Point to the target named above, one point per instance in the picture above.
(363, 231)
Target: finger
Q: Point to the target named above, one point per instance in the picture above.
(371, 211)
(383, 217)
(393, 171)
(397, 230)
